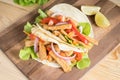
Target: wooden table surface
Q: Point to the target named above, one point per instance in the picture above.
(13, 17)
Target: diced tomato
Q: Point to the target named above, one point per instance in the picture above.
(78, 56)
(79, 35)
(46, 20)
(68, 31)
(60, 18)
(32, 36)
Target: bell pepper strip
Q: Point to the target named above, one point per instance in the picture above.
(60, 18)
(46, 20)
(68, 31)
(78, 56)
(32, 36)
(79, 35)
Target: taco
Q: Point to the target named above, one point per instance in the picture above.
(61, 37)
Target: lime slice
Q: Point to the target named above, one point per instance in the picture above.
(83, 63)
(90, 10)
(101, 20)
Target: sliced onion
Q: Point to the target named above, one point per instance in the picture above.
(68, 61)
(61, 23)
(36, 42)
(56, 13)
(81, 29)
(58, 55)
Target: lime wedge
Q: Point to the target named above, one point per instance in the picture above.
(90, 10)
(101, 20)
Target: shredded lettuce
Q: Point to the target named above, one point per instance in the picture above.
(30, 2)
(84, 63)
(26, 53)
(41, 16)
(85, 28)
(28, 27)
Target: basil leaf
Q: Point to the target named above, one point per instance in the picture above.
(86, 28)
(28, 27)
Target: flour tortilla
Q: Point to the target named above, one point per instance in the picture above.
(69, 11)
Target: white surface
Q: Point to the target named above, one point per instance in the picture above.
(8, 71)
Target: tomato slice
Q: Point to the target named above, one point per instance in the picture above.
(46, 20)
(78, 56)
(32, 36)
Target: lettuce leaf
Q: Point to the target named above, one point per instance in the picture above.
(86, 28)
(41, 16)
(84, 63)
(30, 2)
(26, 53)
(28, 27)
(41, 2)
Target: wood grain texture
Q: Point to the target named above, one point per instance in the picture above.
(8, 71)
(25, 8)
(11, 12)
(11, 41)
(114, 18)
(106, 6)
(85, 2)
(117, 2)
(107, 69)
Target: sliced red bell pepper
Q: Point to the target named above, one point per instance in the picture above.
(46, 20)
(32, 36)
(78, 56)
(79, 35)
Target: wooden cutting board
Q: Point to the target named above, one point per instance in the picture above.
(107, 69)
(8, 70)
(11, 41)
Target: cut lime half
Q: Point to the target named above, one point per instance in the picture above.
(101, 20)
(90, 10)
